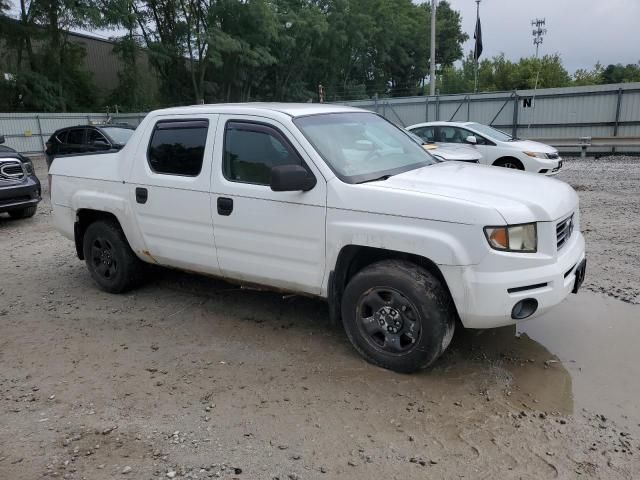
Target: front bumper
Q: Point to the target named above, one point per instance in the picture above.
(542, 165)
(20, 195)
(486, 299)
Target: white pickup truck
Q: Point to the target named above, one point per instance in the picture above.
(328, 201)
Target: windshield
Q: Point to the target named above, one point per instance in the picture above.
(361, 147)
(119, 135)
(491, 132)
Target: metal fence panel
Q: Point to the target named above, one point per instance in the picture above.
(561, 113)
(566, 113)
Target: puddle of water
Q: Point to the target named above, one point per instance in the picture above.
(596, 339)
(590, 346)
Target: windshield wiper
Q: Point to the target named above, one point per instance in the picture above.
(377, 179)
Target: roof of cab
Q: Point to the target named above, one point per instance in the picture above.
(290, 109)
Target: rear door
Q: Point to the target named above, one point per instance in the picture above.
(170, 177)
(262, 236)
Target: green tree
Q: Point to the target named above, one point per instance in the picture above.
(621, 73)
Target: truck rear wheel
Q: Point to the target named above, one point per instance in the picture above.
(110, 260)
(398, 315)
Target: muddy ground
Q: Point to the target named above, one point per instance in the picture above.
(190, 377)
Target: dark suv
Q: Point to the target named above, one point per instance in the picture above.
(87, 139)
(20, 189)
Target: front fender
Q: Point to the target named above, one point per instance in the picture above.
(443, 243)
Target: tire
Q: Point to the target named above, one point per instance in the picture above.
(109, 258)
(398, 315)
(23, 213)
(509, 162)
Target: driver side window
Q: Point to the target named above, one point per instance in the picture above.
(479, 139)
(251, 150)
(452, 135)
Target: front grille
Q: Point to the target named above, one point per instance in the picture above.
(564, 229)
(553, 156)
(11, 169)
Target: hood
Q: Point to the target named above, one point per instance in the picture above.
(455, 152)
(519, 197)
(531, 146)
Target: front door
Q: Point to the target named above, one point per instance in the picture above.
(170, 187)
(262, 236)
(458, 136)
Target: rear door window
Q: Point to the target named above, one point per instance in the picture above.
(177, 147)
(428, 134)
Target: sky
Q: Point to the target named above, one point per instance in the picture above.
(581, 31)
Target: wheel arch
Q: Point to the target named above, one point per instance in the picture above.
(511, 158)
(84, 218)
(353, 258)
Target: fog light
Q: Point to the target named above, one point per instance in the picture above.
(524, 308)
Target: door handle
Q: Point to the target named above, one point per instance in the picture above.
(141, 195)
(225, 206)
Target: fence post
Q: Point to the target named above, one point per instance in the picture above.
(468, 107)
(437, 108)
(40, 134)
(617, 119)
(426, 108)
(375, 101)
(514, 127)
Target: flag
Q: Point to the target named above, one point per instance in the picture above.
(477, 35)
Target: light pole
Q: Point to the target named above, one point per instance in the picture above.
(432, 69)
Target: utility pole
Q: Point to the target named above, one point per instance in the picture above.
(538, 32)
(475, 48)
(432, 70)
(538, 36)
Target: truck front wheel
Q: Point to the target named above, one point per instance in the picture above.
(398, 315)
(110, 260)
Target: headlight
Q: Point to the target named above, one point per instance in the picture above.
(27, 167)
(536, 154)
(513, 238)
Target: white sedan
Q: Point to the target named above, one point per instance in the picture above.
(457, 153)
(496, 147)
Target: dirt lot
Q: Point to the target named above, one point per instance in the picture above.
(190, 377)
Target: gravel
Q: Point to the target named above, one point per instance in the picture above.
(99, 386)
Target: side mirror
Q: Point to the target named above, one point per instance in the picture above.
(291, 178)
(1, 138)
(471, 139)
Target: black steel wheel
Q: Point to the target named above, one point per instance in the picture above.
(388, 320)
(109, 258)
(103, 258)
(398, 315)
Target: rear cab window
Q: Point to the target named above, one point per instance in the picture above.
(177, 147)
